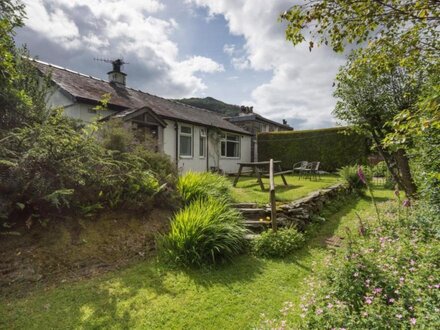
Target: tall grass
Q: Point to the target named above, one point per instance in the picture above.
(207, 231)
(192, 186)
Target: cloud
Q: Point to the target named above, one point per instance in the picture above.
(229, 49)
(300, 87)
(72, 32)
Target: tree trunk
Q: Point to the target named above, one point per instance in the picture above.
(405, 172)
(402, 176)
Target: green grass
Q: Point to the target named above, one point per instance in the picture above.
(151, 296)
(248, 190)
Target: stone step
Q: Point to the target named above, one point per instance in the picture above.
(253, 211)
(256, 223)
(245, 205)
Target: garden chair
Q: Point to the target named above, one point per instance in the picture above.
(314, 170)
(299, 167)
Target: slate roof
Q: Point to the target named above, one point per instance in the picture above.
(256, 116)
(90, 89)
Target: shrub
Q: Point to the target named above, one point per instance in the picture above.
(277, 244)
(58, 164)
(207, 231)
(387, 280)
(192, 186)
(351, 177)
(331, 146)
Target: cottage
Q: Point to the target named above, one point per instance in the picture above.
(195, 139)
(255, 123)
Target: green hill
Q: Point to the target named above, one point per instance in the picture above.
(212, 104)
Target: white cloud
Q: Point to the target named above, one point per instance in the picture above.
(229, 49)
(128, 28)
(300, 87)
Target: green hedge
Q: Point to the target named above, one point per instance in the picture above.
(329, 146)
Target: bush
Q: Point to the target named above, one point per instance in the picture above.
(387, 280)
(192, 186)
(351, 177)
(277, 245)
(331, 146)
(58, 164)
(207, 231)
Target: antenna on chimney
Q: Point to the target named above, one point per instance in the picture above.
(116, 75)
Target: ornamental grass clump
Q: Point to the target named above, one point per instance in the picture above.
(207, 231)
(192, 186)
(278, 244)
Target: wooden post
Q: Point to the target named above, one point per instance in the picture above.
(273, 205)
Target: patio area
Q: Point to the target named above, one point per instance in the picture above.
(248, 190)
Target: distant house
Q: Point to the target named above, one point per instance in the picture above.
(195, 139)
(255, 123)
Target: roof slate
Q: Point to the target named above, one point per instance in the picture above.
(92, 89)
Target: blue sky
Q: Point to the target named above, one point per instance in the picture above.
(233, 50)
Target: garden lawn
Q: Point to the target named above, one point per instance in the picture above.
(248, 190)
(151, 296)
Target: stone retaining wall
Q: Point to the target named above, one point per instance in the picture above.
(296, 213)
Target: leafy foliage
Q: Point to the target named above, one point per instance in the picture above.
(207, 231)
(388, 279)
(405, 25)
(60, 163)
(418, 131)
(278, 244)
(351, 177)
(333, 147)
(193, 185)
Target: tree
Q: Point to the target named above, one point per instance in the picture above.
(369, 99)
(401, 48)
(22, 90)
(338, 22)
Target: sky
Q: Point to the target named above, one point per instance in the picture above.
(232, 50)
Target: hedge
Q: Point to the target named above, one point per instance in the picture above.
(329, 146)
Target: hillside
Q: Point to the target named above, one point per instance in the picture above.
(212, 104)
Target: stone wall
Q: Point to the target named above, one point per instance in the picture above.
(297, 213)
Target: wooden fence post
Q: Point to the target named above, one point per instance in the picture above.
(273, 205)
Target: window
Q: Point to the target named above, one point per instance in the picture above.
(202, 143)
(230, 146)
(185, 141)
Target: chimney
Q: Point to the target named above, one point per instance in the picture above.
(244, 110)
(284, 122)
(116, 76)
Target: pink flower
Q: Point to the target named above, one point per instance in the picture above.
(361, 175)
(406, 203)
(319, 311)
(399, 316)
(391, 300)
(368, 300)
(413, 321)
(377, 290)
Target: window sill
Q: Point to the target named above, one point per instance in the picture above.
(186, 157)
(232, 158)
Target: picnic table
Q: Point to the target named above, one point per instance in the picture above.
(257, 168)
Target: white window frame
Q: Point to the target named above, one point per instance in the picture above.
(202, 137)
(224, 139)
(190, 135)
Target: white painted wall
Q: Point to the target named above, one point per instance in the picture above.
(168, 136)
(81, 111)
(197, 163)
